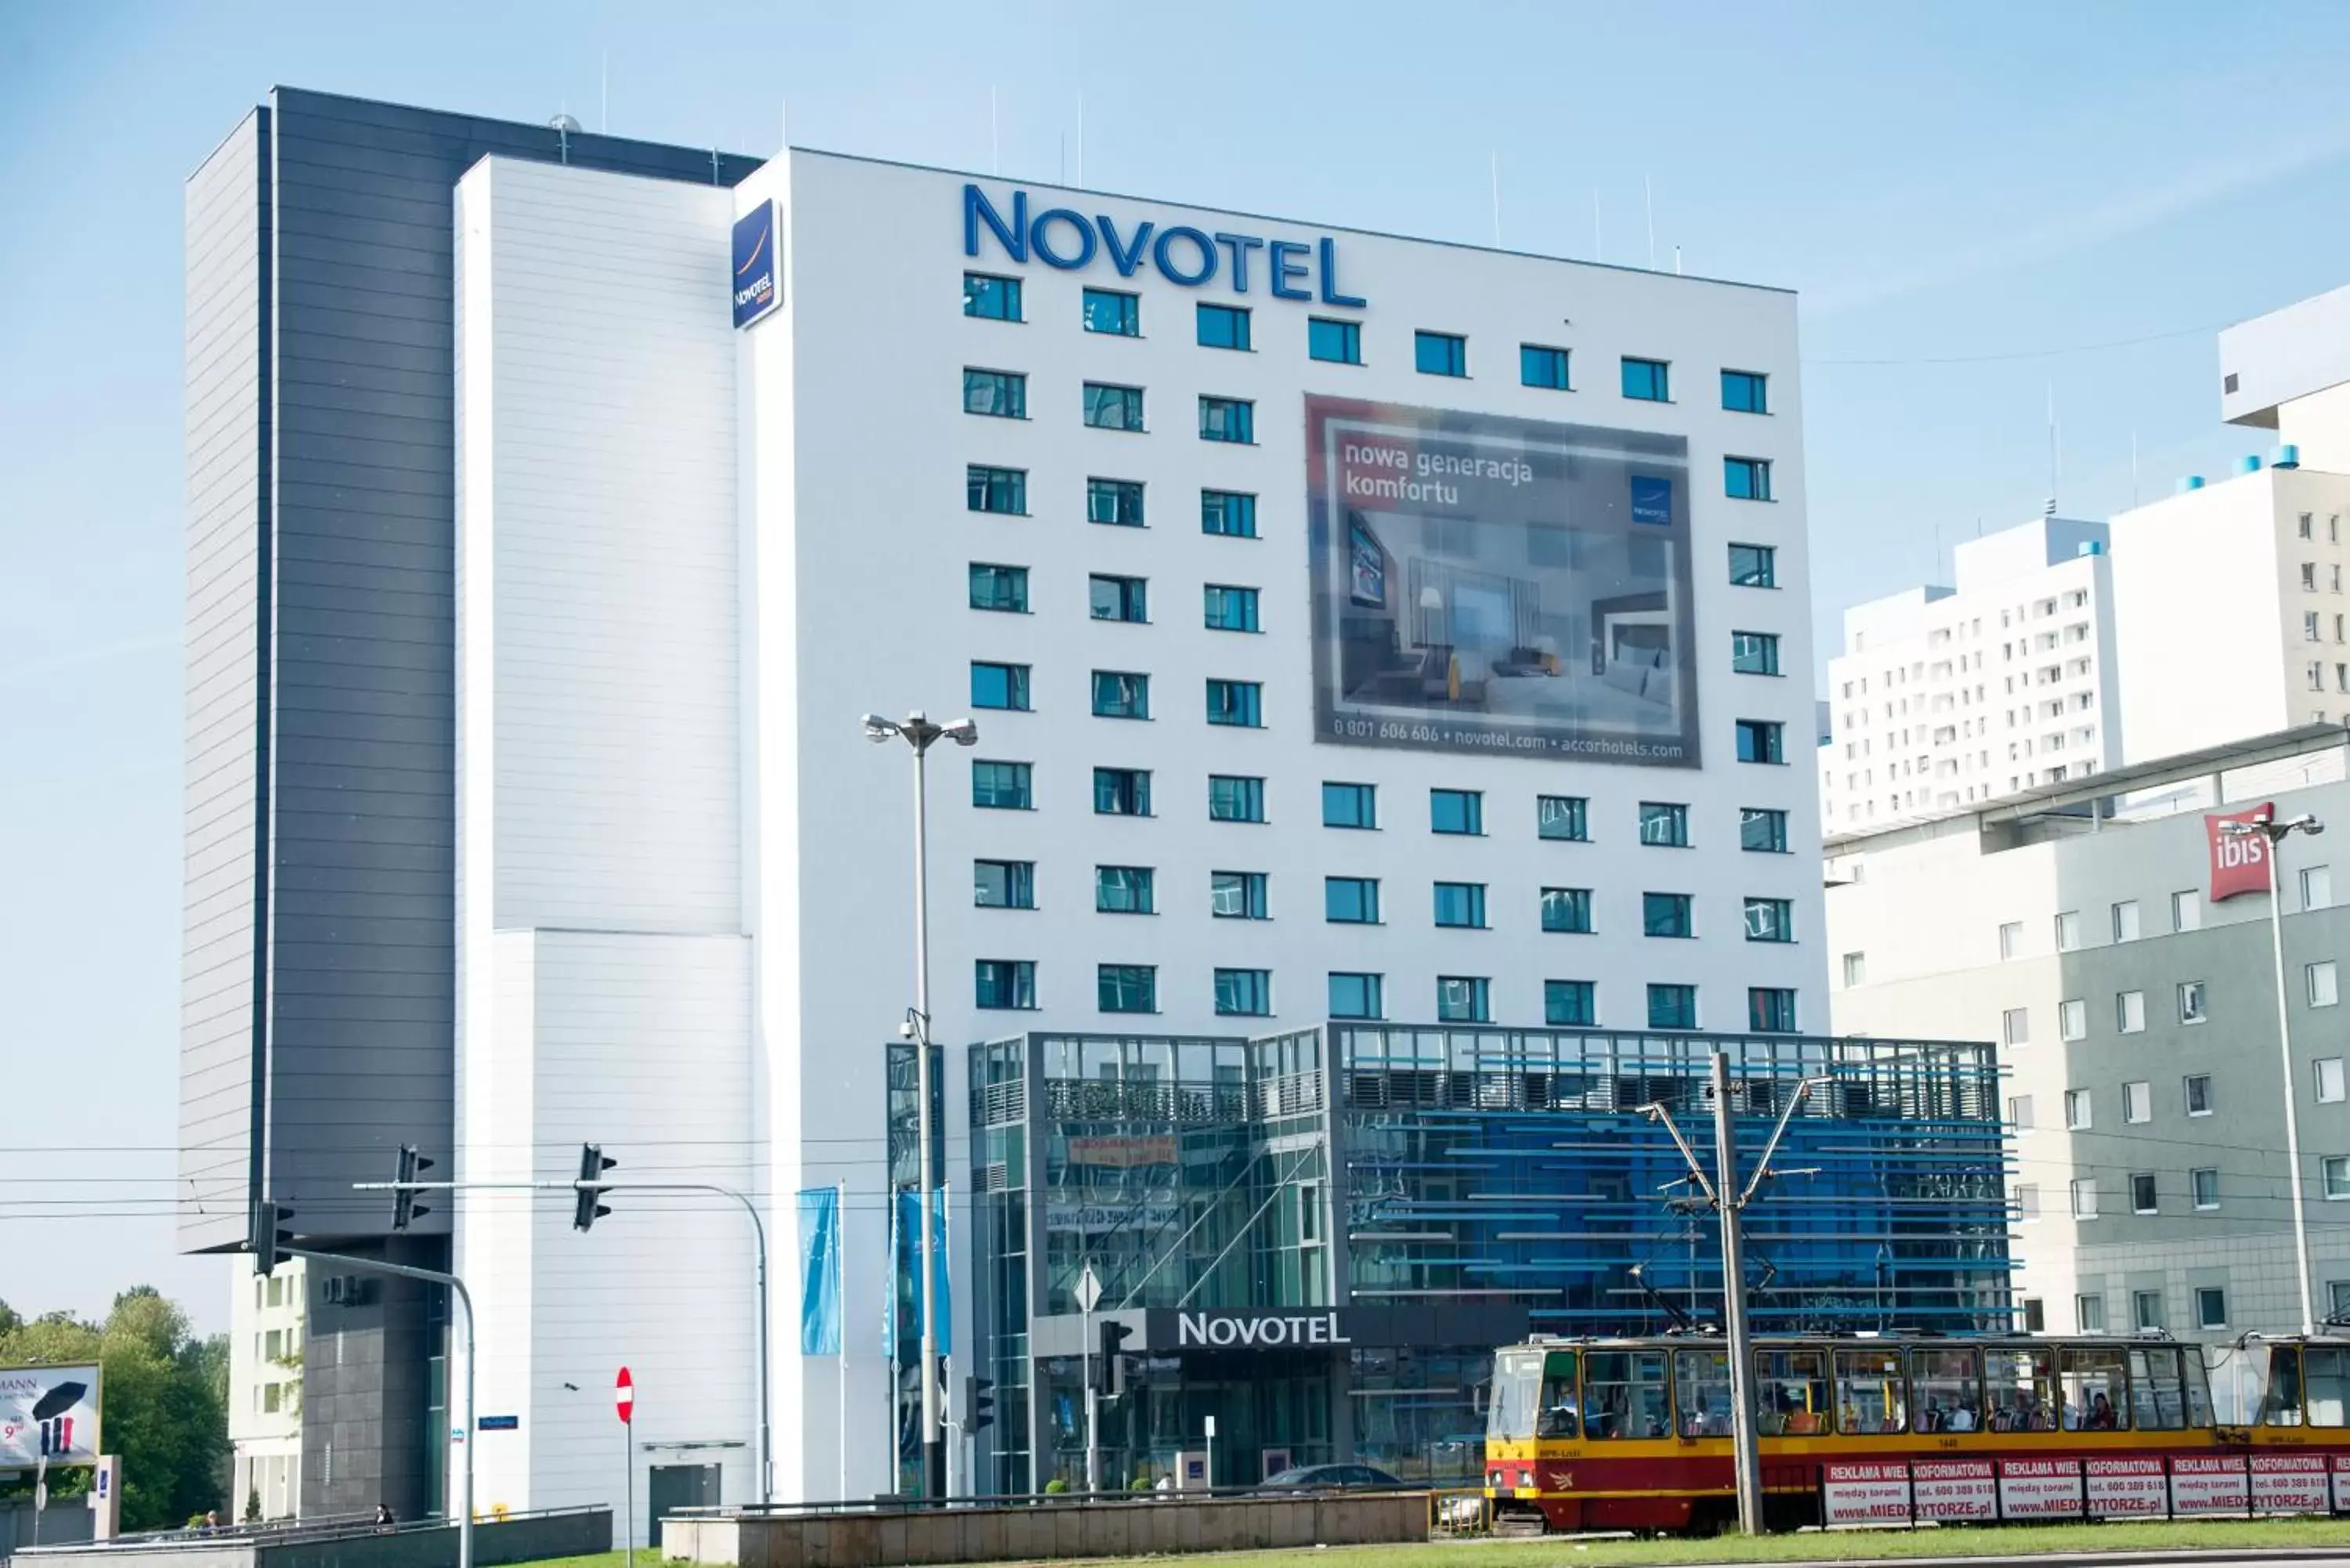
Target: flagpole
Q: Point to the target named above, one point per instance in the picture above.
(841, 1191)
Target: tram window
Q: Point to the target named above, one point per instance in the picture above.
(2157, 1396)
(1625, 1395)
(2022, 1384)
(1946, 1390)
(2199, 1389)
(2325, 1374)
(1702, 1390)
(2281, 1401)
(2096, 1392)
(1517, 1380)
(1555, 1416)
(1790, 1392)
(1869, 1392)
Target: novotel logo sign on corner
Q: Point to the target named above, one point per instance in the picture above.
(757, 279)
(1189, 257)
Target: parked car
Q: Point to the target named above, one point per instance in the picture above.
(1330, 1478)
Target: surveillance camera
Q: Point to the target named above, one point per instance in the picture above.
(905, 1029)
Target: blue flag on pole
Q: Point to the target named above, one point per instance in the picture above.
(905, 1272)
(820, 1271)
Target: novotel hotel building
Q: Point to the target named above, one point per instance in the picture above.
(1388, 661)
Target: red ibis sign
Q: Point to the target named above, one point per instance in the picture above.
(2240, 861)
(624, 1395)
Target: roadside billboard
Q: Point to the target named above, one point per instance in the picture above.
(1495, 585)
(48, 1413)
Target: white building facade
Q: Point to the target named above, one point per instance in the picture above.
(267, 1331)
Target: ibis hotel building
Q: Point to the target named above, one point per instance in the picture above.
(1389, 772)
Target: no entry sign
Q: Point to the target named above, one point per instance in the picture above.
(624, 1395)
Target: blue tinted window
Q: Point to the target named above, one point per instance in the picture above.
(993, 298)
(995, 489)
(1768, 1010)
(1456, 811)
(1114, 502)
(1541, 366)
(995, 587)
(1664, 824)
(1127, 988)
(1004, 983)
(1121, 694)
(1763, 829)
(1106, 310)
(1334, 342)
(1002, 394)
(1001, 786)
(1236, 895)
(1567, 909)
(1570, 1003)
(1239, 703)
(1351, 805)
(1746, 478)
(1672, 1007)
(1770, 919)
(1754, 652)
(1753, 566)
(999, 686)
(1350, 900)
(1125, 890)
(1464, 999)
(1110, 408)
(1118, 599)
(1229, 609)
(1460, 904)
(1232, 798)
(1228, 513)
(1561, 816)
(1227, 419)
(1122, 792)
(1245, 992)
(1355, 995)
(1744, 392)
(1440, 353)
(1223, 327)
(1666, 915)
(1648, 380)
(1004, 884)
(1761, 740)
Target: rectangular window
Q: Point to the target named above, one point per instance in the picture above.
(2036, 1314)
(1771, 1010)
(1761, 830)
(1229, 609)
(1125, 988)
(1334, 342)
(2073, 1020)
(1541, 367)
(2204, 1183)
(1440, 353)
(1114, 502)
(2211, 1307)
(2319, 980)
(2019, 1111)
(1004, 884)
(2199, 1094)
(2190, 1001)
(1464, 999)
(999, 686)
(1110, 408)
(2145, 1306)
(1228, 514)
(1350, 900)
(2137, 1102)
(1664, 824)
(1563, 817)
(1223, 327)
(1118, 599)
(1357, 995)
(991, 298)
(2126, 920)
(1761, 741)
(995, 587)
(1122, 792)
(1570, 1003)
(1245, 992)
(1227, 420)
(1667, 915)
(1004, 490)
(2084, 1197)
(2088, 1312)
(1855, 970)
(2015, 1026)
(1567, 909)
(1745, 392)
(2317, 887)
(1753, 566)
(2080, 1111)
(1240, 703)
(2068, 930)
(1121, 694)
(2330, 1081)
(2129, 1011)
(1672, 1007)
(1233, 797)
(1119, 314)
(1351, 805)
(1456, 811)
(1125, 890)
(2011, 939)
(1746, 478)
(1648, 380)
(1770, 919)
(1001, 786)
(2335, 1167)
(2187, 910)
(999, 394)
(1460, 905)
(1005, 983)
(1754, 652)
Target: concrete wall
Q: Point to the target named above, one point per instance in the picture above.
(575, 1534)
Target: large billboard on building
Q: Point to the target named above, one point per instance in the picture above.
(1493, 584)
(48, 1413)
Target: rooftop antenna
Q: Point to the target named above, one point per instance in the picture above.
(784, 123)
(2055, 453)
(1677, 261)
(1649, 187)
(1497, 200)
(995, 141)
(1596, 253)
(604, 96)
(1081, 141)
(1063, 177)
(2133, 469)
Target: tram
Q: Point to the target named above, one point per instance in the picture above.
(1634, 1433)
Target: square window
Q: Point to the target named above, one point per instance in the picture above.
(2199, 1094)
(2143, 1199)
(1349, 805)
(2027, 1201)
(2335, 1169)
(1456, 811)
(2319, 978)
(1541, 367)
(1753, 566)
(1121, 694)
(1563, 817)
(1745, 392)
(999, 394)
(2145, 1307)
(2073, 1020)
(1004, 884)
(1666, 915)
(1001, 686)
(2080, 1110)
(1440, 353)
(2330, 1083)
(1245, 992)
(995, 587)
(1567, 909)
(1761, 830)
(1237, 704)
(1125, 890)
(1125, 988)
(1350, 900)
(2190, 1001)
(2137, 1102)
(1005, 983)
(1464, 999)
(1228, 514)
(1233, 797)
(2129, 1011)
(1334, 342)
(2211, 1307)
(2204, 1183)
(1664, 824)
(2019, 1111)
(1119, 314)
(2187, 910)
(2015, 1026)
(1770, 919)
(1357, 995)
(2084, 1197)
(1648, 380)
(1223, 327)
(1754, 653)
(991, 298)
(2089, 1312)
(1001, 786)
(1114, 502)
(1855, 970)
(1672, 1006)
(1230, 420)
(1002, 489)
(1118, 599)
(1122, 792)
(1761, 741)
(1111, 408)
(1460, 905)
(1771, 1010)
(1229, 609)
(1570, 1003)
(1746, 478)
(2126, 920)
(2068, 930)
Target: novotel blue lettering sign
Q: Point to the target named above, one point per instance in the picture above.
(1191, 257)
(757, 279)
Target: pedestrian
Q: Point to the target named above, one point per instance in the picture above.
(383, 1519)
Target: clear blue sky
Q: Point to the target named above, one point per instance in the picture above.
(1939, 183)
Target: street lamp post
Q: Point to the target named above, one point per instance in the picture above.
(920, 733)
(2275, 833)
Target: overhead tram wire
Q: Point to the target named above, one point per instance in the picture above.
(2021, 354)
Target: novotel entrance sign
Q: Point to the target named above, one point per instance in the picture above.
(1189, 257)
(1257, 1330)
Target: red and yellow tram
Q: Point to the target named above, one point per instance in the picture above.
(1634, 1433)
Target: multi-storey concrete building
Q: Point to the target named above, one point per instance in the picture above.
(268, 1319)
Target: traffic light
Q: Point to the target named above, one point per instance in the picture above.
(1109, 1368)
(404, 1207)
(267, 1237)
(978, 1404)
(588, 1208)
